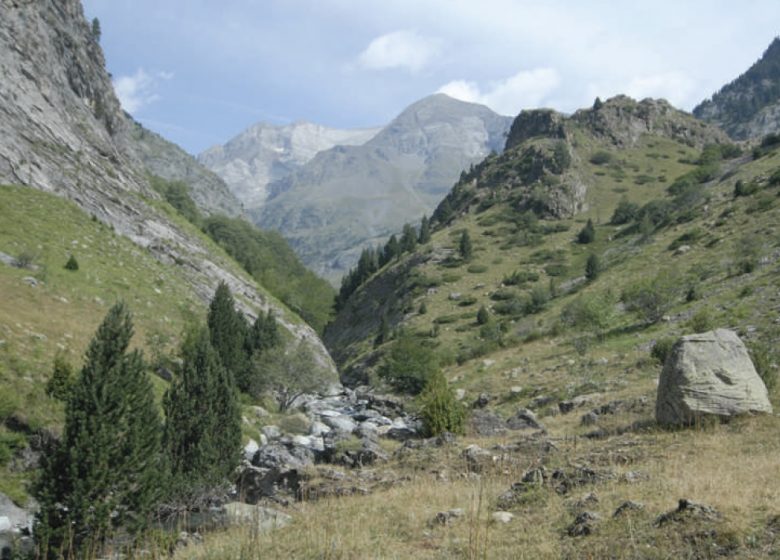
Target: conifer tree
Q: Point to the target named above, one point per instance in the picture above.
(392, 250)
(228, 332)
(592, 267)
(464, 246)
(105, 472)
(587, 234)
(202, 435)
(264, 334)
(439, 409)
(408, 239)
(425, 231)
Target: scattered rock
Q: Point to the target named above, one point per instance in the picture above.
(686, 511)
(261, 519)
(259, 411)
(30, 281)
(460, 394)
(487, 423)
(628, 507)
(584, 524)
(585, 501)
(250, 449)
(454, 296)
(542, 400)
(515, 391)
(271, 432)
(589, 419)
(502, 517)
(340, 423)
(524, 419)
(482, 401)
(709, 374)
(448, 517)
(633, 477)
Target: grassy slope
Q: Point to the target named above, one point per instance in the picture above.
(731, 467)
(61, 312)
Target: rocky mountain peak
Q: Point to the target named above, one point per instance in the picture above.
(749, 106)
(624, 120)
(533, 123)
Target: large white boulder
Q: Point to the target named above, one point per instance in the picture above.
(709, 374)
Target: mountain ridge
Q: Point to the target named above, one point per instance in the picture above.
(351, 197)
(748, 107)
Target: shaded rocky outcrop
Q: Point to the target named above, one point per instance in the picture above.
(709, 374)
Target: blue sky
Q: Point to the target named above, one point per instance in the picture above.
(198, 71)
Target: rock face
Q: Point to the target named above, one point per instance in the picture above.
(167, 160)
(265, 153)
(350, 197)
(748, 107)
(64, 132)
(709, 374)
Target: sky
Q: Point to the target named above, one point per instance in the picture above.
(200, 71)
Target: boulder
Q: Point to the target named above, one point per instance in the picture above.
(709, 374)
(487, 423)
(340, 423)
(524, 419)
(250, 449)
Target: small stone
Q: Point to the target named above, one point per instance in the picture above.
(447, 517)
(516, 390)
(5, 524)
(30, 281)
(628, 507)
(460, 394)
(584, 524)
(271, 431)
(502, 517)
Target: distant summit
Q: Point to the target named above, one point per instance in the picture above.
(748, 107)
(350, 197)
(264, 153)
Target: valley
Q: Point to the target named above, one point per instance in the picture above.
(555, 335)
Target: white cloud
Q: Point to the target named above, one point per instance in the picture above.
(399, 49)
(139, 90)
(525, 90)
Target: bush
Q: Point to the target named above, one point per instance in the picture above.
(555, 269)
(601, 158)
(661, 349)
(477, 268)
(651, 298)
(439, 409)
(744, 189)
(701, 321)
(72, 264)
(624, 213)
(408, 365)
(592, 267)
(747, 251)
(587, 234)
(483, 316)
(589, 313)
(517, 278)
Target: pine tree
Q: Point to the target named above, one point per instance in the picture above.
(392, 250)
(228, 331)
(264, 334)
(72, 264)
(587, 234)
(425, 231)
(464, 246)
(440, 410)
(105, 473)
(592, 267)
(408, 239)
(61, 381)
(96, 32)
(444, 212)
(202, 436)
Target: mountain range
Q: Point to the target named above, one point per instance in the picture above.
(348, 197)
